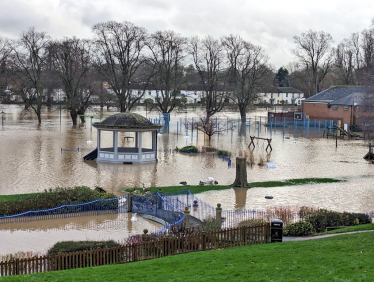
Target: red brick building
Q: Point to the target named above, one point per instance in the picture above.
(338, 103)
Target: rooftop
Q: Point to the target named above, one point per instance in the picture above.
(127, 120)
(335, 93)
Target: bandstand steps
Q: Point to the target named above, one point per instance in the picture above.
(91, 156)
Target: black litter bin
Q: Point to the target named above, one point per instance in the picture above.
(276, 230)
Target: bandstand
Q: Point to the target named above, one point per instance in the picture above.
(137, 126)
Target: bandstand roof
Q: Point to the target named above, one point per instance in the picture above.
(127, 121)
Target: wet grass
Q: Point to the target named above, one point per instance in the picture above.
(339, 258)
(195, 189)
(4, 198)
(297, 181)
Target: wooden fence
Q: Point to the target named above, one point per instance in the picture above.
(166, 246)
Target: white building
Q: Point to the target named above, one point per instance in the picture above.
(280, 96)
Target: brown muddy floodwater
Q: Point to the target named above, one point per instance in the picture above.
(31, 160)
(39, 236)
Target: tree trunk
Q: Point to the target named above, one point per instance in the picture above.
(241, 173)
(243, 117)
(73, 115)
(39, 115)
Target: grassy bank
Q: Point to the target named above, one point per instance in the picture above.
(4, 198)
(339, 258)
(360, 227)
(195, 189)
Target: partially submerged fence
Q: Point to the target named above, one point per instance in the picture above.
(138, 252)
(96, 207)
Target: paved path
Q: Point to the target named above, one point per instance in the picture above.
(288, 239)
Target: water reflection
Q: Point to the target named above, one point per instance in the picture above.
(240, 198)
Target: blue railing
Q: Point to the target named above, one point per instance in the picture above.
(95, 207)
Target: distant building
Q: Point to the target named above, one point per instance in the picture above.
(342, 103)
(280, 96)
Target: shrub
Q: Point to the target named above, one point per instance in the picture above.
(300, 228)
(358, 218)
(210, 224)
(251, 222)
(189, 149)
(285, 214)
(322, 219)
(223, 153)
(77, 246)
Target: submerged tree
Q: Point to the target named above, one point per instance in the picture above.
(29, 63)
(166, 68)
(248, 71)
(119, 54)
(72, 60)
(208, 126)
(208, 58)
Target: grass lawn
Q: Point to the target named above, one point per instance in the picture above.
(339, 258)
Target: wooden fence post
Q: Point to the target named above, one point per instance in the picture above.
(187, 217)
(219, 215)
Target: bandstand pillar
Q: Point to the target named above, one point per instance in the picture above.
(115, 144)
(139, 144)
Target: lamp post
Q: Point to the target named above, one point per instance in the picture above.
(59, 101)
(2, 118)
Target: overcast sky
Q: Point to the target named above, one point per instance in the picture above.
(268, 23)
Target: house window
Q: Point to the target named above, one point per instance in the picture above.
(286, 95)
(335, 107)
(278, 94)
(272, 95)
(346, 108)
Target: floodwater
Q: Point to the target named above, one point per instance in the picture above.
(37, 157)
(39, 236)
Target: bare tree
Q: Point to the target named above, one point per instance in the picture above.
(5, 49)
(166, 67)
(208, 58)
(72, 59)
(363, 111)
(367, 49)
(345, 63)
(248, 70)
(29, 62)
(206, 125)
(119, 48)
(314, 52)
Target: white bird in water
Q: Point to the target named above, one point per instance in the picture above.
(134, 218)
(89, 141)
